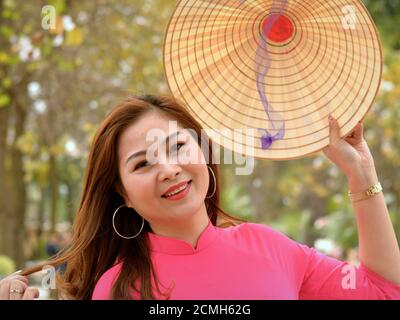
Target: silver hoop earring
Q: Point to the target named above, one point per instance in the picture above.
(215, 183)
(115, 229)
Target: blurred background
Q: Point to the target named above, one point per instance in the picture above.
(56, 85)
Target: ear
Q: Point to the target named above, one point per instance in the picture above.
(121, 191)
(127, 202)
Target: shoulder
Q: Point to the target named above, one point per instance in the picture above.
(258, 235)
(253, 230)
(261, 239)
(102, 289)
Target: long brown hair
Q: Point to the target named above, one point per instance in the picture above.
(94, 246)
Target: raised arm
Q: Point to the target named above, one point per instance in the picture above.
(378, 246)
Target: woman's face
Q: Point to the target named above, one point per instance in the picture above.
(146, 181)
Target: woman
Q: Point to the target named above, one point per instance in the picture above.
(136, 237)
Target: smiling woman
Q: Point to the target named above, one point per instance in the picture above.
(152, 227)
(118, 175)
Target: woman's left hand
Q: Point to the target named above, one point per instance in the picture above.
(351, 154)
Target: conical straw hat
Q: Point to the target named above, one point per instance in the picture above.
(262, 76)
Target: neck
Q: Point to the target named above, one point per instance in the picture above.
(188, 230)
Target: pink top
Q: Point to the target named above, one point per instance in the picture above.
(252, 261)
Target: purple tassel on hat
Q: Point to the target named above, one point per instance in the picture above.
(267, 139)
(262, 64)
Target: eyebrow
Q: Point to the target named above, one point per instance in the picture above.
(143, 152)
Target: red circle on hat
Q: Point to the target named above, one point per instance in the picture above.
(281, 29)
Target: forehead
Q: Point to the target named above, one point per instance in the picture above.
(133, 138)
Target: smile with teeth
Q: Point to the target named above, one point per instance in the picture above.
(177, 190)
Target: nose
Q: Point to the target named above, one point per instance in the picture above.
(169, 171)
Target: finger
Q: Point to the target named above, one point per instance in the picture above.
(351, 134)
(11, 279)
(356, 130)
(31, 294)
(352, 141)
(5, 290)
(359, 131)
(17, 285)
(20, 278)
(334, 130)
(356, 135)
(15, 276)
(326, 150)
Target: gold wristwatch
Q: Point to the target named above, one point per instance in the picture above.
(370, 192)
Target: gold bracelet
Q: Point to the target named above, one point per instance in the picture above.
(366, 194)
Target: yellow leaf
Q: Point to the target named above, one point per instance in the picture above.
(389, 133)
(4, 100)
(87, 126)
(3, 57)
(58, 30)
(74, 37)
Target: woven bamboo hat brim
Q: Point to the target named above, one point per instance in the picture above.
(262, 76)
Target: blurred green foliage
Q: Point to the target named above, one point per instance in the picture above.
(7, 266)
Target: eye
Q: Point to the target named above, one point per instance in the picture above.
(175, 147)
(140, 165)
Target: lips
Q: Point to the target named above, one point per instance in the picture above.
(175, 187)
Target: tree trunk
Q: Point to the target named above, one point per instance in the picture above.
(70, 202)
(54, 192)
(17, 184)
(13, 192)
(4, 209)
(12, 186)
(40, 215)
(4, 122)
